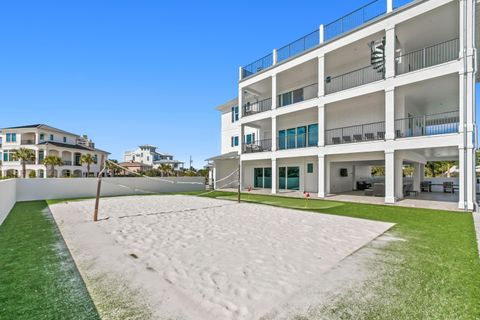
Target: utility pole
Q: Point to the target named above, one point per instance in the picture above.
(191, 161)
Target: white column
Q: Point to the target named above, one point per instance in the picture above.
(321, 126)
(242, 137)
(417, 176)
(240, 167)
(327, 176)
(36, 157)
(274, 176)
(471, 183)
(390, 52)
(389, 114)
(398, 180)
(214, 177)
(321, 33)
(274, 91)
(321, 176)
(321, 76)
(274, 56)
(389, 177)
(240, 73)
(389, 6)
(461, 178)
(274, 133)
(240, 102)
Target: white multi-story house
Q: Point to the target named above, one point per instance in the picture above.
(148, 154)
(386, 85)
(46, 141)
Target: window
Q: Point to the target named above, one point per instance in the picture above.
(42, 136)
(148, 158)
(14, 137)
(297, 95)
(234, 141)
(250, 138)
(41, 156)
(262, 177)
(309, 167)
(95, 159)
(235, 114)
(64, 139)
(8, 155)
(51, 137)
(285, 99)
(313, 135)
(11, 137)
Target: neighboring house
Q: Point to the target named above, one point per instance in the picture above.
(382, 86)
(133, 167)
(46, 141)
(148, 154)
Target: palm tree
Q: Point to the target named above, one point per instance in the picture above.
(87, 159)
(113, 168)
(52, 162)
(24, 155)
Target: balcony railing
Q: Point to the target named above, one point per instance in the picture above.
(27, 142)
(298, 95)
(298, 46)
(353, 79)
(428, 57)
(358, 133)
(297, 141)
(257, 66)
(259, 146)
(426, 125)
(355, 19)
(256, 107)
(67, 162)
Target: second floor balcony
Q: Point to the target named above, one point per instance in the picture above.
(353, 79)
(251, 108)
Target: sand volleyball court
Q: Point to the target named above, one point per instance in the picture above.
(184, 257)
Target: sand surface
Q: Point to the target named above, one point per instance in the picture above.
(197, 258)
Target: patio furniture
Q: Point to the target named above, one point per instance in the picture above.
(398, 134)
(369, 136)
(379, 189)
(363, 185)
(357, 137)
(448, 187)
(407, 188)
(426, 186)
(369, 192)
(412, 192)
(347, 139)
(381, 135)
(336, 140)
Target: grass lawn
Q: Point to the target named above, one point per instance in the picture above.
(433, 274)
(38, 278)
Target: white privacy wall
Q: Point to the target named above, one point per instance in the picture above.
(14, 190)
(7, 197)
(45, 189)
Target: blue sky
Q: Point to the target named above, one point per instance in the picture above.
(134, 72)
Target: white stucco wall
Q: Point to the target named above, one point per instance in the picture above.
(7, 197)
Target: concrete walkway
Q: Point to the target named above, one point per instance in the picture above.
(428, 201)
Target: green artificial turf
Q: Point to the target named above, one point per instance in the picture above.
(432, 273)
(38, 278)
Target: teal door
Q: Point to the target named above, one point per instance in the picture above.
(289, 178)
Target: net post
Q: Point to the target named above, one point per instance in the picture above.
(99, 186)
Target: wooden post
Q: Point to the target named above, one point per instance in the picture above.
(239, 180)
(97, 200)
(99, 187)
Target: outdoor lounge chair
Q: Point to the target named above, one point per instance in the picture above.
(448, 187)
(426, 186)
(381, 135)
(369, 136)
(347, 139)
(357, 137)
(336, 140)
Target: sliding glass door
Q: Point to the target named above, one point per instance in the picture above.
(262, 177)
(289, 178)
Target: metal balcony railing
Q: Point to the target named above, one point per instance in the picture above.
(258, 146)
(355, 19)
(257, 66)
(357, 133)
(427, 57)
(27, 142)
(298, 46)
(298, 95)
(426, 125)
(257, 107)
(297, 141)
(353, 79)
(67, 162)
